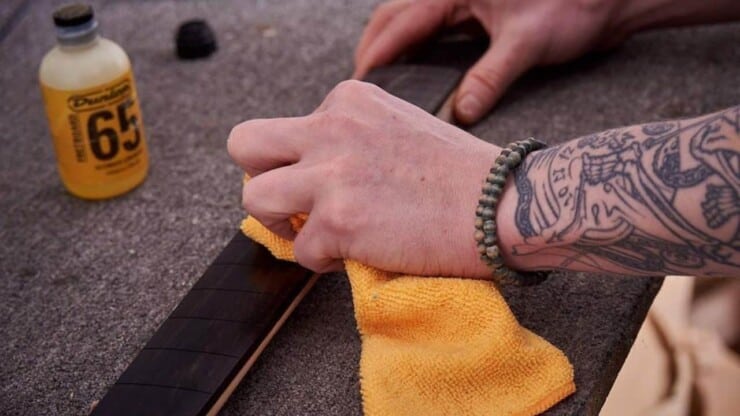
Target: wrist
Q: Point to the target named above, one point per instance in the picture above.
(486, 226)
(508, 233)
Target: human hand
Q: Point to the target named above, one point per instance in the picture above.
(383, 182)
(524, 33)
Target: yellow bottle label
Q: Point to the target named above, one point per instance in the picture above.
(98, 136)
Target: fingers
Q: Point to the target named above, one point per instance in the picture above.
(260, 145)
(412, 24)
(314, 252)
(274, 196)
(383, 14)
(487, 80)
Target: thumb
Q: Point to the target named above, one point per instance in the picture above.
(488, 79)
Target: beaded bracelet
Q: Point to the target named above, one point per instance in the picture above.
(485, 218)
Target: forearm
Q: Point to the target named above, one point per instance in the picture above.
(636, 15)
(653, 199)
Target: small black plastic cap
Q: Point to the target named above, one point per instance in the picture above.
(195, 39)
(73, 15)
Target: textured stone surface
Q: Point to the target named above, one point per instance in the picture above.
(84, 285)
(11, 12)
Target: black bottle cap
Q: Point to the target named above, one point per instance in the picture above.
(73, 15)
(195, 39)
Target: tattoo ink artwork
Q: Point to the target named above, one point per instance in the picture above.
(653, 199)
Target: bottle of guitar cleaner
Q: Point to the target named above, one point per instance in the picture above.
(92, 108)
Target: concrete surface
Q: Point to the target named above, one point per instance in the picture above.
(83, 285)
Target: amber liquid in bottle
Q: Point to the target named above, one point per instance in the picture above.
(93, 109)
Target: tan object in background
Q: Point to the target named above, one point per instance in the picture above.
(675, 368)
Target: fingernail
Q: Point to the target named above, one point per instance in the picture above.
(469, 106)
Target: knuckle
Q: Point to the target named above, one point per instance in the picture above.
(324, 124)
(250, 197)
(305, 252)
(335, 124)
(239, 138)
(233, 143)
(322, 120)
(338, 217)
(303, 259)
(349, 89)
(258, 194)
(236, 131)
(242, 129)
(339, 169)
(351, 95)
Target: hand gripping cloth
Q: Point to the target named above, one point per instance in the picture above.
(441, 346)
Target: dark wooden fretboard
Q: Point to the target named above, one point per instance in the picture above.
(218, 327)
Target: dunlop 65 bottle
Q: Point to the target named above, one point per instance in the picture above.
(92, 108)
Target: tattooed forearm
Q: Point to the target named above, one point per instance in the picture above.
(661, 198)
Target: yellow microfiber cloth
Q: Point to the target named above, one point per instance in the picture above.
(441, 346)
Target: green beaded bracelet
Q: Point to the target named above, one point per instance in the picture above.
(485, 215)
